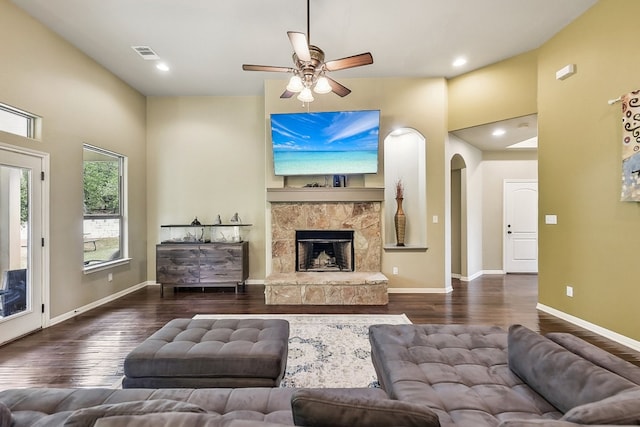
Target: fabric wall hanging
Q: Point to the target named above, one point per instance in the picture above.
(630, 147)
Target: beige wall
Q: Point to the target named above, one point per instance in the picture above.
(496, 168)
(500, 91)
(414, 103)
(594, 246)
(79, 102)
(206, 157)
(472, 188)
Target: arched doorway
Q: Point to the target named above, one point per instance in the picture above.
(458, 217)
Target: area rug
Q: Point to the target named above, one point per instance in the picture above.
(327, 350)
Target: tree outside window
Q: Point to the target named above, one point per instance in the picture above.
(103, 206)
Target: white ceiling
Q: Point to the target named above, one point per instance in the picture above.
(516, 131)
(205, 42)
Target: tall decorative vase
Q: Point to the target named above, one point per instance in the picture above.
(400, 222)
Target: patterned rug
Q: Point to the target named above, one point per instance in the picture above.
(327, 350)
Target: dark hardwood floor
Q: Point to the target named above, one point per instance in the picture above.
(88, 350)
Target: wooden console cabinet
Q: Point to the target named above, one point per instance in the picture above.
(202, 264)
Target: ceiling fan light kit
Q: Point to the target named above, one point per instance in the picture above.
(305, 95)
(322, 86)
(310, 68)
(295, 84)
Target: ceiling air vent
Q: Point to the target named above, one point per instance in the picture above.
(145, 52)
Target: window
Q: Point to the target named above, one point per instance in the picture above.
(16, 121)
(104, 239)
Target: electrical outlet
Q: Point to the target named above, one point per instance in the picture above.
(110, 277)
(395, 270)
(570, 291)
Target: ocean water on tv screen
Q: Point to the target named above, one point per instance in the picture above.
(325, 162)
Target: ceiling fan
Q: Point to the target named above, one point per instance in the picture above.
(310, 68)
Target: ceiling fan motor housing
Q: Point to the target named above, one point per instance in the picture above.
(310, 70)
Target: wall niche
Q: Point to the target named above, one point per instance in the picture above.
(405, 160)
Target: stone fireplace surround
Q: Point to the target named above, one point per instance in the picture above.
(365, 286)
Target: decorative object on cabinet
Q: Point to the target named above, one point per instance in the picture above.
(399, 218)
(203, 233)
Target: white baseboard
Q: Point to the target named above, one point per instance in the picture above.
(79, 310)
(470, 278)
(420, 290)
(613, 336)
(255, 281)
(493, 272)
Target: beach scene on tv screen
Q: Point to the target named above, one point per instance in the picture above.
(326, 143)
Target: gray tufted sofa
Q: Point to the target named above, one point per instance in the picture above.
(484, 376)
(432, 375)
(245, 407)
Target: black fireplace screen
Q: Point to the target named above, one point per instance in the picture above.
(324, 250)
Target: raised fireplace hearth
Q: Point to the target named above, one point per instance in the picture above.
(360, 283)
(324, 250)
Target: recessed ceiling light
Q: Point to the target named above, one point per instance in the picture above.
(459, 62)
(499, 132)
(162, 66)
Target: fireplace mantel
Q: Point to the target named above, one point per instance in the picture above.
(325, 194)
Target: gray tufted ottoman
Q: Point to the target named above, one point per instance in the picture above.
(198, 353)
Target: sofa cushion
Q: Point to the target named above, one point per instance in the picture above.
(35, 405)
(459, 371)
(5, 415)
(349, 408)
(623, 408)
(87, 417)
(563, 378)
(172, 419)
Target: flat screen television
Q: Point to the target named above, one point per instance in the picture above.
(325, 143)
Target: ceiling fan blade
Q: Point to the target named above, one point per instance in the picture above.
(249, 67)
(349, 62)
(287, 94)
(300, 45)
(337, 88)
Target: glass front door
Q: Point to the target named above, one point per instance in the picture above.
(20, 231)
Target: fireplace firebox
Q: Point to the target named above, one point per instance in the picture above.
(324, 250)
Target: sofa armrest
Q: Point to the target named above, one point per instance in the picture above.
(5, 415)
(344, 408)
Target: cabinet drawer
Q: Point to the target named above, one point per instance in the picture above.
(177, 251)
(177, 264)
(221, 251)
(177, 270)
(212, 274)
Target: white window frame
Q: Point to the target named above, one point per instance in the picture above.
(30, 125)
(122, 216)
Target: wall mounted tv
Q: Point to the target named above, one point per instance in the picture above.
(325, 143)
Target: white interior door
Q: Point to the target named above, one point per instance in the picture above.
(521, 226)
(21, 253)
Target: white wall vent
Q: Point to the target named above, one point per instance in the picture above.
(146, 52)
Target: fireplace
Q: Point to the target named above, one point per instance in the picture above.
(324, 250)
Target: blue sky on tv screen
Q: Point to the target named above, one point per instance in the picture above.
(326, 131)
